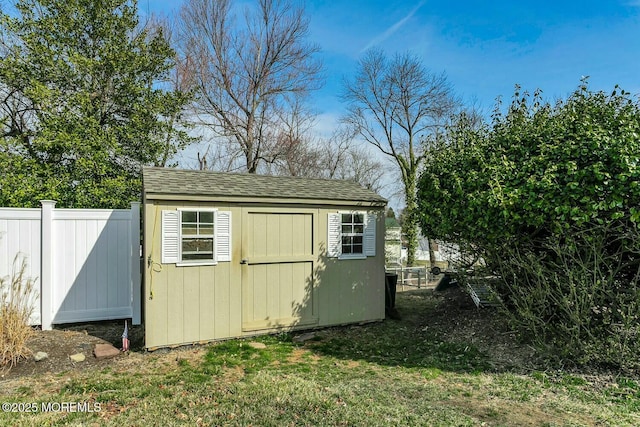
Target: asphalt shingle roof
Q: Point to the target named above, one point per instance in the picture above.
(218, 184)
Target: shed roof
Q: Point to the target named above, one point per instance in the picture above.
(158, 182)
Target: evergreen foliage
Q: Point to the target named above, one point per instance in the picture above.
(85, 103)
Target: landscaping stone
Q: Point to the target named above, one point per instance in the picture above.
(41, 355)
(257, 345)
(78, 357)
(105, 351)
(304, 337)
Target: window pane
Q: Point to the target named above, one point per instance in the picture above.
(357, 240)
(357, 249)
(358, 229)
(347, 228)
(189, 229)
(358, 219)
(196, 256)
(347, 218)
(346, 240)
(190, 246)
(206, 229)
(206, 217)
(189, 216)
(346, 249)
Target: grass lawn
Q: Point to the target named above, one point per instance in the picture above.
(443, 364)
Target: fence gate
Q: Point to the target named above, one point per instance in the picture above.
(86, 261)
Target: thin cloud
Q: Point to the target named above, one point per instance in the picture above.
(395, 27)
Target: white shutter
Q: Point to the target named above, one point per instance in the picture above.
(370, 235)
(170, 236)
(334, 244)
(223, 236)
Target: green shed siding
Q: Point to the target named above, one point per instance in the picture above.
(350, 290)
(185, 304)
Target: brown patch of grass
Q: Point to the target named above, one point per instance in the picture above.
(299, 355)
(349, 364)
(233, 374)
(530, 414)
(191, 355)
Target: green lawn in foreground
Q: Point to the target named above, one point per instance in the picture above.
(410, 372)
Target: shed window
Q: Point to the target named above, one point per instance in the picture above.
(197, 235)
(351, 235)
(352, 226)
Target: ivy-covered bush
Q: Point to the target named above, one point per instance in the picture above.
(549, 195)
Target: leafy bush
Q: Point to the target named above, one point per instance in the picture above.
(16, 306)
(576, 300)
(549, 195)
(537, 171)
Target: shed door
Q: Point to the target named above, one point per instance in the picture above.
(277, 269)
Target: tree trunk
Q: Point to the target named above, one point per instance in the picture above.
(432, 254)
(409, 225)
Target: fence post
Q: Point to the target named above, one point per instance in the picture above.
(46, 266)
(135, 263)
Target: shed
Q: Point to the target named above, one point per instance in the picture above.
(233, 255)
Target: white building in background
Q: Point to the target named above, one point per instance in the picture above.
(392, 242)
(396, 254)
(443, 252)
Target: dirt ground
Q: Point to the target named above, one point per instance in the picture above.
(67, 340)
(457, 316)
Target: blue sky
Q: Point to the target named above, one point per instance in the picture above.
(484, 47)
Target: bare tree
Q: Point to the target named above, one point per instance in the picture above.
(217, 154)
(296, 154)
(399, 107)
(247, 72)
(174, 136)
(360, 166)
(339, 156)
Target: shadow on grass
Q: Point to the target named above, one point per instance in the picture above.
(423, 338)
(437, 331)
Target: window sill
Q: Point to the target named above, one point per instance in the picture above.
(195, 263)
(358, 256)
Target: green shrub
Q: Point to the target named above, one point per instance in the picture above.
(549, 196)
(16, 306)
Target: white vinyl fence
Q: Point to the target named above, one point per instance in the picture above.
(86, 261)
